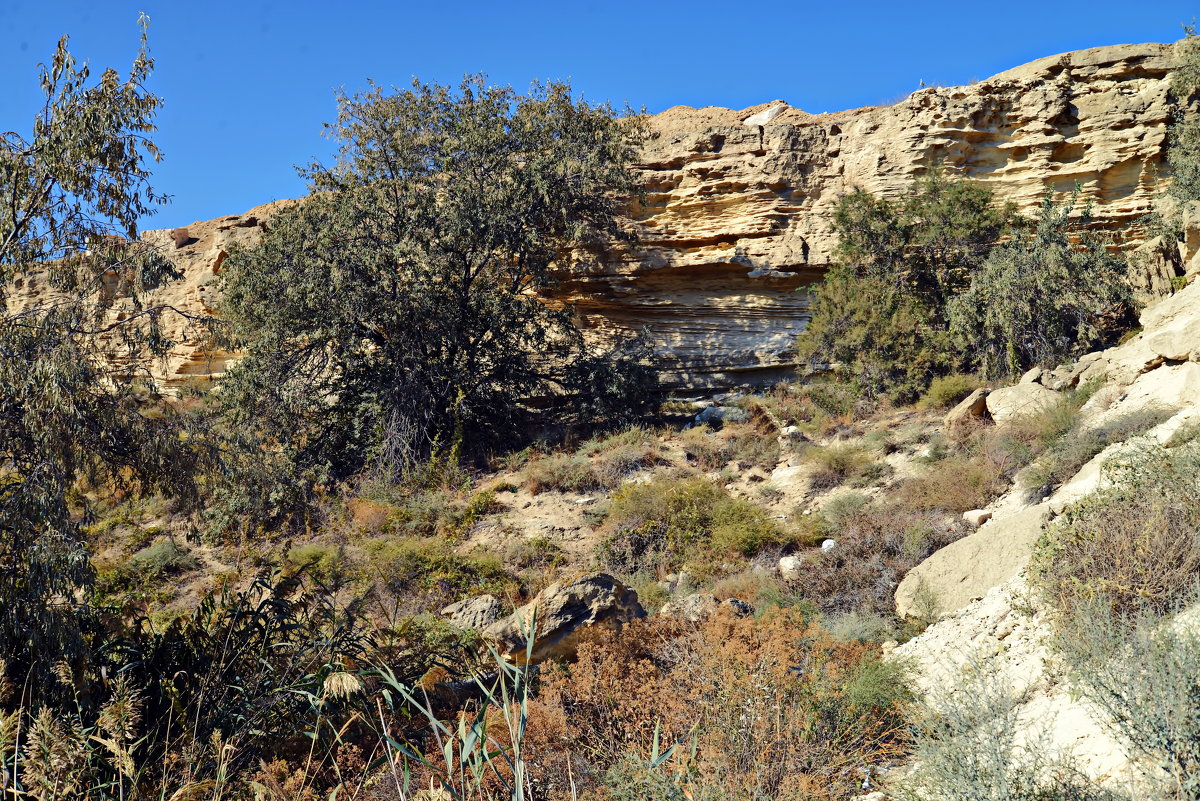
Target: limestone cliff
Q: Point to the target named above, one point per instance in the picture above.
(737, 209)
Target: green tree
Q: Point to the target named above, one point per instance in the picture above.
(1183, 153)
(880, 314)
(1041, 298)
(75, 338)
(394, 313)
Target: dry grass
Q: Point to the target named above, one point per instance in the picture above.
(953, 485)
(834, 465)
(877, 543)
(705, 449)
(598, 464)
(1135, 543)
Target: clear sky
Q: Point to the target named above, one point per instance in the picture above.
(247, 84)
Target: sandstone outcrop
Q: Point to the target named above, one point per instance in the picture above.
(559, 616)
(966, 569)
(738, 204)
(1019, 400)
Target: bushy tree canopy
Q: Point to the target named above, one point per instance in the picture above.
(396, 309)
(880, 313)
(948, 279)
(1040, 298)
(75, 338)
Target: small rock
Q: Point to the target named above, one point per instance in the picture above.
(181, 237)
(740, 608)
(829, 545)
(692, 608)
(1032, 376)
(977, 517)
(972, 407)
(564, 611)
(790, 568)
(757, 475)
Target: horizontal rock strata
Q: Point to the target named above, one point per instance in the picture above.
(738, 204)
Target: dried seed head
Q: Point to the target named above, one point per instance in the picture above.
(342, 685)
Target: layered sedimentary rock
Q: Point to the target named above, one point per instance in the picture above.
(737, 209)
(738, 205)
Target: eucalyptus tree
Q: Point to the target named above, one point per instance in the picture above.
(394, 314)
(75, 340)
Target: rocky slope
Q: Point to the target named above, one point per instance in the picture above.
(992, 622)
(738, 204)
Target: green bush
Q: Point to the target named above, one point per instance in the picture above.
(431, 571)
(668, 521)
(163, 558)
(880, 315)
(598, 464)
(324, 562)
(533, 553)
(947, 390)
(1051, 292)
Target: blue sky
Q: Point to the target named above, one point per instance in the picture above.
(248, 84)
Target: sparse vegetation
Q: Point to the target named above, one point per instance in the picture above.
(834, 465)
(947, 390)
(1133, 542)
(236, 594)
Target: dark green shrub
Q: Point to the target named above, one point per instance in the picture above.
(163, 558)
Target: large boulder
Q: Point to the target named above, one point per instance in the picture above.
(971, 408)
(1020, 400)
(966, 569)
(559, 616)
(474, 613)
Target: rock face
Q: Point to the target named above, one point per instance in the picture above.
(738, 204)
(563, 612)
(966, 569)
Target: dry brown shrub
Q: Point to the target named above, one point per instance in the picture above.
(704, 448)
(1134, 544)
(876, 545)
(954, 485)
(771, 708)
